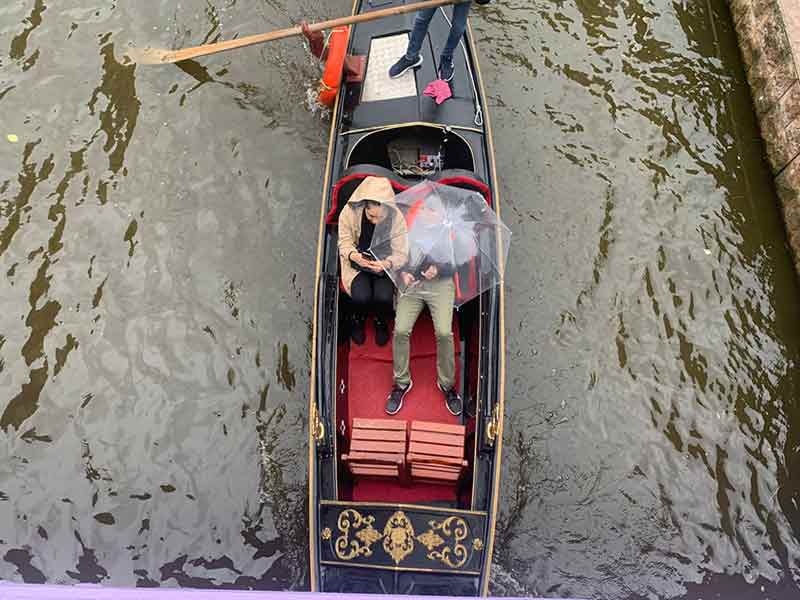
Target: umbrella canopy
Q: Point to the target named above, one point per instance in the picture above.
(453, 234)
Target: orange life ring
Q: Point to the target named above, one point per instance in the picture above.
(334, 65)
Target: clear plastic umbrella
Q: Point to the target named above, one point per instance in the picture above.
(453, 234)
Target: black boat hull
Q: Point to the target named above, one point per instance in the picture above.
(392, 548)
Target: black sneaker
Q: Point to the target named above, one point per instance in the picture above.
(452, 401)
(447, 70)
(401, 66)
(381, 331)
(395, 400)
(357, 333)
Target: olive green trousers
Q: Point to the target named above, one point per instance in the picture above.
(438, 296)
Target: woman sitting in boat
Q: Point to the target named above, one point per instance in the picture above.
(363, 273)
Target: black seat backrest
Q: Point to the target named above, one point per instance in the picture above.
(464, 179)
(351, 179)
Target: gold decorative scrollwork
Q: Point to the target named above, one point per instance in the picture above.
(316, 424)
(493, 427)
(348, 549)
(398, 537)
(369, 536)
(454, 530)
(430, 540)
(444, 540)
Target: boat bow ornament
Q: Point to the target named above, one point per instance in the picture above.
(450, 542)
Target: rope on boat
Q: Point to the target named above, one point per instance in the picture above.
(478, 109)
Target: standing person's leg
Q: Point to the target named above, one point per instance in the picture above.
(412, 59)
(460, 14)
(440, 303)
(421, 23)
(408, 309)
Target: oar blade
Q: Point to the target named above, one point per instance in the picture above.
(149, 56)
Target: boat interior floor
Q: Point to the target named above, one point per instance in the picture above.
(371, 378)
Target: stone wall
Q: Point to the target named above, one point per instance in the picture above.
(769, 37)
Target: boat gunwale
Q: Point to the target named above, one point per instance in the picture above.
(389, 126)
(406, 505)
(335, 563)
(501, 354)
(312, 396)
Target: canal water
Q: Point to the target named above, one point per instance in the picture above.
(157, 234)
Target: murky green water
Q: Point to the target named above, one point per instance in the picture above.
(157, 233)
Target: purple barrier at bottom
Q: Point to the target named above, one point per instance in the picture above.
(20, 591)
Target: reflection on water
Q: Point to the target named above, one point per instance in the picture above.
(655, 352)
(155, 252)
(150, 355)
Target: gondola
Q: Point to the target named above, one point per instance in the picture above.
(399, 529)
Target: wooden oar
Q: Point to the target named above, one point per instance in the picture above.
(156, 56)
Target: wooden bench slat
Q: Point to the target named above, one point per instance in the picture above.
(420, 448)
(438, 467)
(433, 459)
(385, 435)
(424, 453)
(373, 457)
(379, 424)
(430, 437)
(438, 427)
(373, 446)
(376, 470)
(420, 473)
(380, 474)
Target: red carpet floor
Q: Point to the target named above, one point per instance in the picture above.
(370, 381)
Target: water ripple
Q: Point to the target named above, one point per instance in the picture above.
(657, 433)
(155, 335)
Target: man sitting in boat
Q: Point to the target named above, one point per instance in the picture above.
(363, 274)
(426, 280)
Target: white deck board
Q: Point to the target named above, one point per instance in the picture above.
(383, 53)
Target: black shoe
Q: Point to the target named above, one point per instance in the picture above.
(357, 333)
(469, 406)
(395, 400)
(381, 331)
(452, 401)
(401, 66)
(447, 70)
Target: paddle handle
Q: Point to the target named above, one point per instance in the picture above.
(188, 53)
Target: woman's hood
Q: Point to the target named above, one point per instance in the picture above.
(377, 189)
